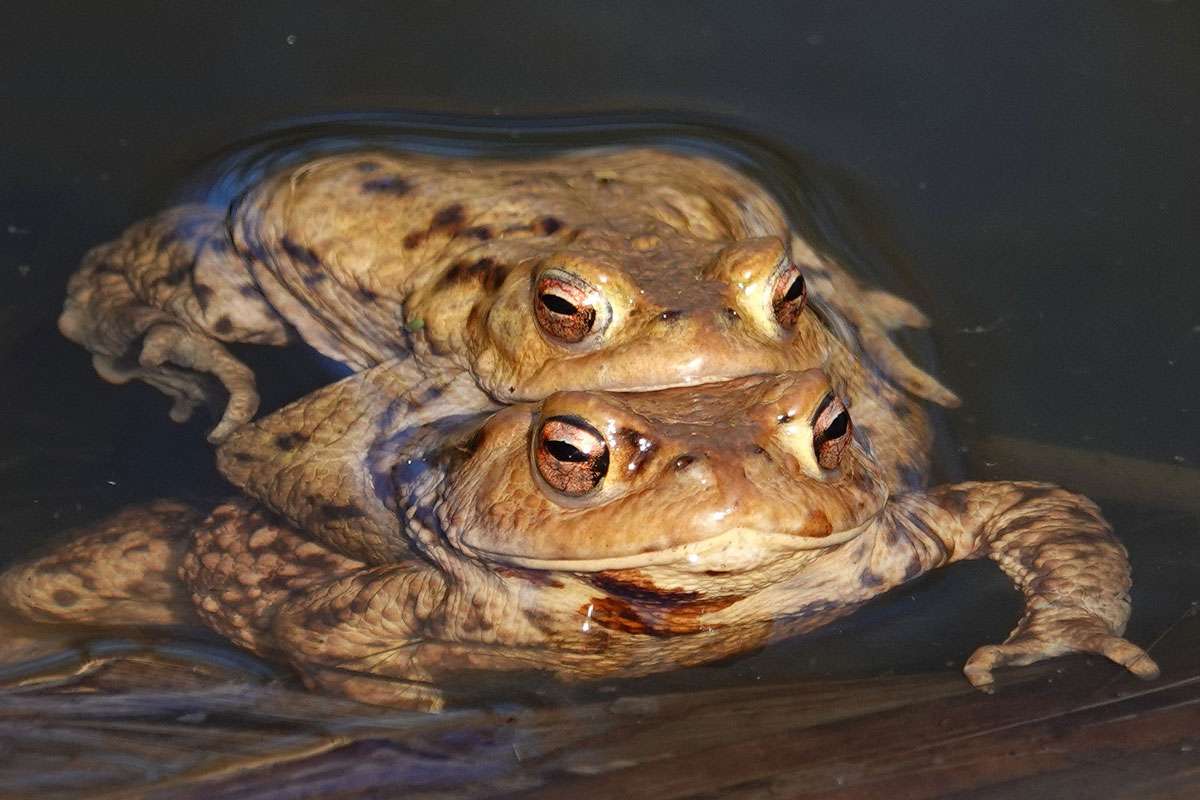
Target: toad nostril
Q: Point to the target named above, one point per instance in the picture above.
(684, 461)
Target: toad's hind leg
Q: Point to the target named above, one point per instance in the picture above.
(119, 572)
(243, 563)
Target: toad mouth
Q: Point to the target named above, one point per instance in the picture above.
(735, 550)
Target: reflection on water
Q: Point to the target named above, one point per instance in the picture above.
(928, 625)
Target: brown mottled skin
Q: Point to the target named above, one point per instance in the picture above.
(660, 475)
(698, 523)
(435, 262)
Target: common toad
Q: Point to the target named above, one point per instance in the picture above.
(599, 423)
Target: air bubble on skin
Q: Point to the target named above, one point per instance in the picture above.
(692, 558)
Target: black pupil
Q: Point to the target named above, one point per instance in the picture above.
(836, 429)
(564, 451)
(558, 305)
(795, 290)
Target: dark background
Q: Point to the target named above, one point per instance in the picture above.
(1032, 166)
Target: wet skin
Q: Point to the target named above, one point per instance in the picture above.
(592, 534)
(611, 269)
(609, 416)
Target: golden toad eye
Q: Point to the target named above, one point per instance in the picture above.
(787, 295)
(568, 308)
(571, 456)
(832, 431)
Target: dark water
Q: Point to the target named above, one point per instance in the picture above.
(1027, 175)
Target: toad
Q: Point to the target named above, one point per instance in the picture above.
(618, 269)
(586, 535)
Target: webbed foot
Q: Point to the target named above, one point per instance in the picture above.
(1049, 635)
(191, 369)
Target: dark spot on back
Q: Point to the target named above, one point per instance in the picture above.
(305, 255)
(224, 325)
(249, 291)
(203, 294)
(731, 314)
(413, 240)
(449, 217)
(242, 457)
(480, 232)
(393, 185)
(456, 273)
(367, 296)
(547, 226)
(671, 315)
(289, 441)
(487, 270)
(366, 166)
(219, 245)
(65, 597)
(314, 278)
(346, 511)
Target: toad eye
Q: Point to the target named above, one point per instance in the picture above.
(788, 294)
(569, 309)
(570, 455)
(832, 431)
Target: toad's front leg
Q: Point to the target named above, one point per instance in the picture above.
(1058, 550)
